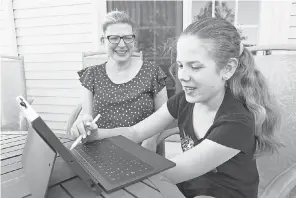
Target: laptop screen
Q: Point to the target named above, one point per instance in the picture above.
(51, 139)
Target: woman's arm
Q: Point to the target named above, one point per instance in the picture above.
(199, 160)
(87, 96)
(87, 99)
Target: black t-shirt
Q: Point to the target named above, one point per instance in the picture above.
(234, 127)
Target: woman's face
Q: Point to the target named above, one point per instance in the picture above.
(122, 51)
(197, 71)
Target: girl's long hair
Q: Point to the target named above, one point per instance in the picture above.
(247, 84)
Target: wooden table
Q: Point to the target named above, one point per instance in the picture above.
(64, 183)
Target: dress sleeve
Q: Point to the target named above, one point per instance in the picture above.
(158, 80)
(173, 104)
(87, 79)
(234, 135)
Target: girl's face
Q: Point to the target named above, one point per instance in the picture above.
(122, 51)
(197, 71)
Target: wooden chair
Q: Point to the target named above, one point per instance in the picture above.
(13, 83)
(277, 172)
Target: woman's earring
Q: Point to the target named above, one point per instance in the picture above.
(102, 40)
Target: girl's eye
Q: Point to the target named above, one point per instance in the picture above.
(196, 66)
(180, 65)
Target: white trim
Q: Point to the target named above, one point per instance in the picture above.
(235, 12)
(11, 27)
(213, 8)
(187, 13)
(274, 22)
(247, 26)
(99, 12)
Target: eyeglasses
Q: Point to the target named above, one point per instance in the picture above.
(114, 39)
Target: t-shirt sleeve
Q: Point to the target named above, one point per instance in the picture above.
(234, 135)
(158, 80)
(173, 104)
(87, 79)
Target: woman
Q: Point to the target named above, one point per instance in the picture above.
(124, 90)
(225, 113)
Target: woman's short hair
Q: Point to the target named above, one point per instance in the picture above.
(116, 17)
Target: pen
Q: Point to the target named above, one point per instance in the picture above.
(81, 136)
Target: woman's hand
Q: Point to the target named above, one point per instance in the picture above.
(84, 127)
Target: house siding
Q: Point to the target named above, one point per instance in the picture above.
(292, 28)
(4, 48)
(7, 30)
(51, 35)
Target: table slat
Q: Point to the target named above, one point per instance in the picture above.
(12, 167)
(19, 140)
(9, 161)
(57, 192)
(14, 132)
(12, 148)
(77, 188)
(15, 188)
(117, 194)
(166, 188)
(61, 172)
(142, 190)
(149, 183)
(8, 138)
(12, 175)
(11, 154)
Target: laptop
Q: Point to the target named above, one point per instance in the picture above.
(104, 165)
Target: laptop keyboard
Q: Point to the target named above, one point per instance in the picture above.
(111, 161)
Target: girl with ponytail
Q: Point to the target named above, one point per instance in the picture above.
(226, 115)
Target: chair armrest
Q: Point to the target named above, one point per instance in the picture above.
(24, 124)
(166, 134)
(73, 117)
(282, 185)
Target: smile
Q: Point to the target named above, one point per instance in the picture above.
(188, 90)
(120, 51)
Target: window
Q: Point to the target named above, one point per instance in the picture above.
(243, 14)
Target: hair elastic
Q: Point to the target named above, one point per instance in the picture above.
(241, 48)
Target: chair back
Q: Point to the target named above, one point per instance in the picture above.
(13, 83)
(280, 72)
(97, 58)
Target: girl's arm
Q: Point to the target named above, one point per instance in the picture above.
(199, 160)
(159, 99)
(152, 125)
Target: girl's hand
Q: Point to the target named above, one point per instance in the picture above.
(84, 127)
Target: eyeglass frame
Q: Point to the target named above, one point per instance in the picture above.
(120, 37)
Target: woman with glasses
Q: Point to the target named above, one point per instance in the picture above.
(124, 90)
